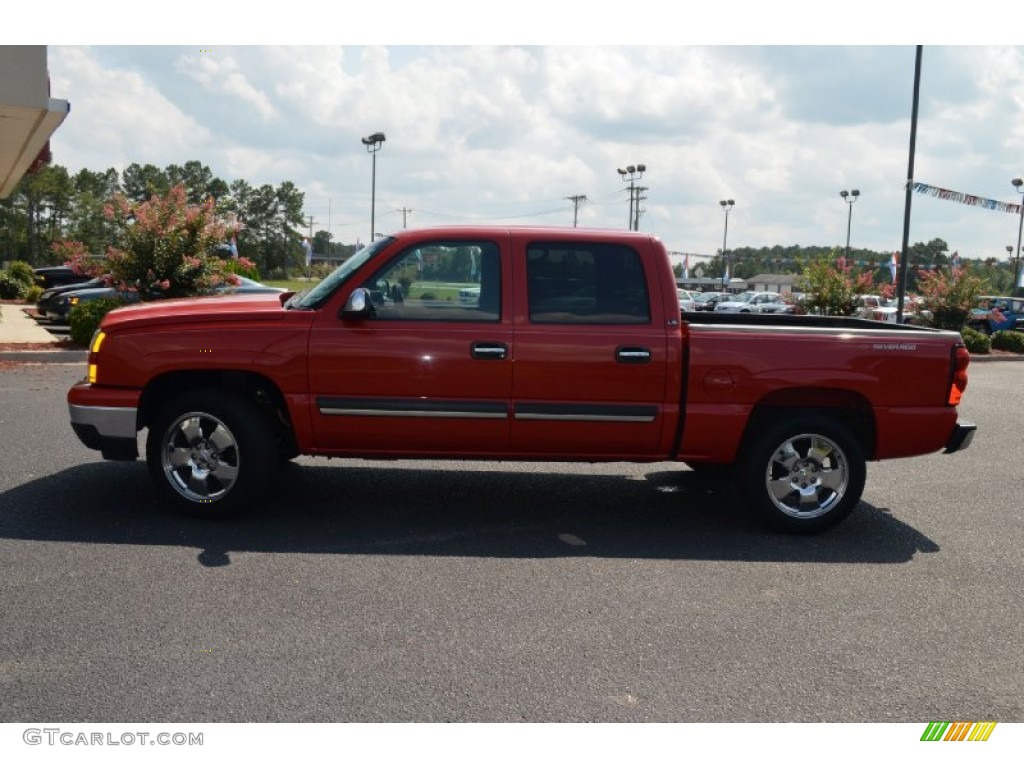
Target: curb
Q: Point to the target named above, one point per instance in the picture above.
(996, 358)
(45, 356)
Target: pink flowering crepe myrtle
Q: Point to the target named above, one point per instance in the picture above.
(164, 249)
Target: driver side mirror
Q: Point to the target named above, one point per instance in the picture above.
(358, 306)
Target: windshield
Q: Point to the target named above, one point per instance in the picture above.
(318, 294)
(743, 297)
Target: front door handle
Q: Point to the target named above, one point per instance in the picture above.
(488, 350)
(633, 355)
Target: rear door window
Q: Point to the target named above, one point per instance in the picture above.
(586, 284)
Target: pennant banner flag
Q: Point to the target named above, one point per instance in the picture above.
(962, 197)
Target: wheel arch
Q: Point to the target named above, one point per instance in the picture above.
(852, 409)
(253, 387)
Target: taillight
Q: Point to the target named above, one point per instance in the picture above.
(959, 357)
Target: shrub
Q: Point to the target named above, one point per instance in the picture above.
(241, 266)
(977, 343)
(166, 248)
(22, 272)
(33, 293)
(11, 287)
(831, 290)
(1009, 341)
(321, 269)
(85, 318)
(950, 295)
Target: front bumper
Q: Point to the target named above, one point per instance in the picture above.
(961, 437)
(109, 430)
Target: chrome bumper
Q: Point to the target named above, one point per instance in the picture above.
(112, 431)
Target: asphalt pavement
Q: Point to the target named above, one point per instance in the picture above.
(505, 592)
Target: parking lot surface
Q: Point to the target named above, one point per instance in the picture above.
(394, 591)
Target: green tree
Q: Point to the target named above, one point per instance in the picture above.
(141, 182)
(198, 181)
(87, 223)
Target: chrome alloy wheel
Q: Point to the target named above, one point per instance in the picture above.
(199, 456)
(807, 476)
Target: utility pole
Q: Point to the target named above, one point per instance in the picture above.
(577, 201)
(632, 173)
(405, 212)
(636, 208)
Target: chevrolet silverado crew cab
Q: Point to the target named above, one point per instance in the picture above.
(521, 344)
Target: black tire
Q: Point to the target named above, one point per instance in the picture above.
(804, 474)
(211, 453)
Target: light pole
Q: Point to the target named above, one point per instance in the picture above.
(726, 206)
(1017, 183)
(849, 198)
(634, 173)
(373, 143)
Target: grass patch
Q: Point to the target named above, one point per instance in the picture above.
(292, 285)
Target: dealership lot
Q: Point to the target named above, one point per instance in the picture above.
(394, 591)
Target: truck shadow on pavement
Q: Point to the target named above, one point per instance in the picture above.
(469, 510)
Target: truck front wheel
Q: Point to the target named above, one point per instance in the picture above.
(210, 453)
(803, 475)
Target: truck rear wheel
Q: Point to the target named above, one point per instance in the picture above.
(803, 475)
(211, 453)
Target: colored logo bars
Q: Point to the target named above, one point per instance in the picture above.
(958, 731)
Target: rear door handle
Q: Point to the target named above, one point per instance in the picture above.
(488, 350)
(633, 355)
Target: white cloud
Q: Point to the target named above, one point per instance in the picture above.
(117, 117)
(221, 76)
(508, 133)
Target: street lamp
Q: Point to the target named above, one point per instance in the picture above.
(634, 173)
(849, 198)
(726, 206)
(1020, 227)
(373, 144)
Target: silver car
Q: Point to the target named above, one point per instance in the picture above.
(749, 301)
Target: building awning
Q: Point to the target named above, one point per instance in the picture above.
(24, 133)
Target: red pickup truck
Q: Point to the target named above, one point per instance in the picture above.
(522, 344)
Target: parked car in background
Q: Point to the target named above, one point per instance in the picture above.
(997, 313)
(705, 302)
(687, 300)
(748, 301)
(59, 310)
(780, 307)
(49, 298)
(52, 277)
(874, 307)
(469, 297)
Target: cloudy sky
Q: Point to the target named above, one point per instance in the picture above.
(507, 133)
